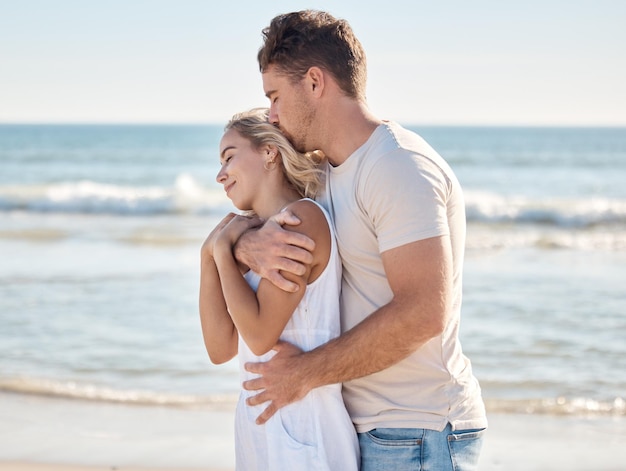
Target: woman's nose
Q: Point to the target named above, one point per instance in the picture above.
(221, 176)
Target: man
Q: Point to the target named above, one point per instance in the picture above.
(400, 222)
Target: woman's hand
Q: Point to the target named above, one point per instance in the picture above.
(234, 228)
(242, 223)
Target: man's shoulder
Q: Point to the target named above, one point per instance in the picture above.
(392, 138)
(410, 145)
(408, 141)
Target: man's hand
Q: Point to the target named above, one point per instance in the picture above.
(272, 249)
(282, 381)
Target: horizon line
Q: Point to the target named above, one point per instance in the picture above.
(403, 123)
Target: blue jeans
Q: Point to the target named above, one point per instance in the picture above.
(419, 449)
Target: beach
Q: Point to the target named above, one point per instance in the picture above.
(44, 434)
(102, 362)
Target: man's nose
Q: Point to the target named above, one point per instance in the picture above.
(273, 116)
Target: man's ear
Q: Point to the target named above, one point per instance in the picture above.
(315, 78)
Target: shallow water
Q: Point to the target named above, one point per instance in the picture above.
(100, 230)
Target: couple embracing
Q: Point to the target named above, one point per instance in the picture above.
(340, 288)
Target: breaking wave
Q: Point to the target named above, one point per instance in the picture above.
(86, 196)
(89, 392)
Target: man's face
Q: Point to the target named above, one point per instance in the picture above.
(290, 108)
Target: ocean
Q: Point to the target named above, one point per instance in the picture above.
(101, 227)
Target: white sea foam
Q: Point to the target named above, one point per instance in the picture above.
(98, 393)
(559, 406)
(560, 212)
(483, 237)
(576, 406)
(185, 196)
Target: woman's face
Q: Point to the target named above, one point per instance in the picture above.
(242, 169)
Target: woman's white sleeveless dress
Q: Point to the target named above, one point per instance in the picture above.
(315, 433)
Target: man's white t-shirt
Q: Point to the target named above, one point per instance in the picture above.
(394, 190)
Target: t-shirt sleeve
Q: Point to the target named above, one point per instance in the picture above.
(405, 196)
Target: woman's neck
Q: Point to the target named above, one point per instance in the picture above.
(276, 203)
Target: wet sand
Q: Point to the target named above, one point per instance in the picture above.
(46, 434)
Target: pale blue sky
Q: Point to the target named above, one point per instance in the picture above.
(534, 62)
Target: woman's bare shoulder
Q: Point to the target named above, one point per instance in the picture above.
(313, 224)
(309, 213)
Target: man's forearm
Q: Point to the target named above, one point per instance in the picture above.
(380, 341)
(417, 313)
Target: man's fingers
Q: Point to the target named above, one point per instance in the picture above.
(299, 244)
(272, 390)
(257, 399)
(256, 383)
(285, 217)
(261, 398)
(266, 414)
(295, 254)
(281, 282)
(289, 237)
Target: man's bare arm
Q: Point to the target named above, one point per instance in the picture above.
(420, 276)
(272, 249)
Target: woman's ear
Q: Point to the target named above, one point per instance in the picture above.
(270, 151)
(270, 154)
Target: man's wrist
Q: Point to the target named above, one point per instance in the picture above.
(239, 249)
(312, 376)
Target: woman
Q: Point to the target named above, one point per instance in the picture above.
(242, 314)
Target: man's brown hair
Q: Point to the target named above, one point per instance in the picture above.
(295, 42)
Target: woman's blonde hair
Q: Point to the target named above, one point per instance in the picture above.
(303, 171)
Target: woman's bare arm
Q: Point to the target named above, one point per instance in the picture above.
(261, 317)
(218, 330)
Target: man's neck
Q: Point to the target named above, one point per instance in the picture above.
(349, 126)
